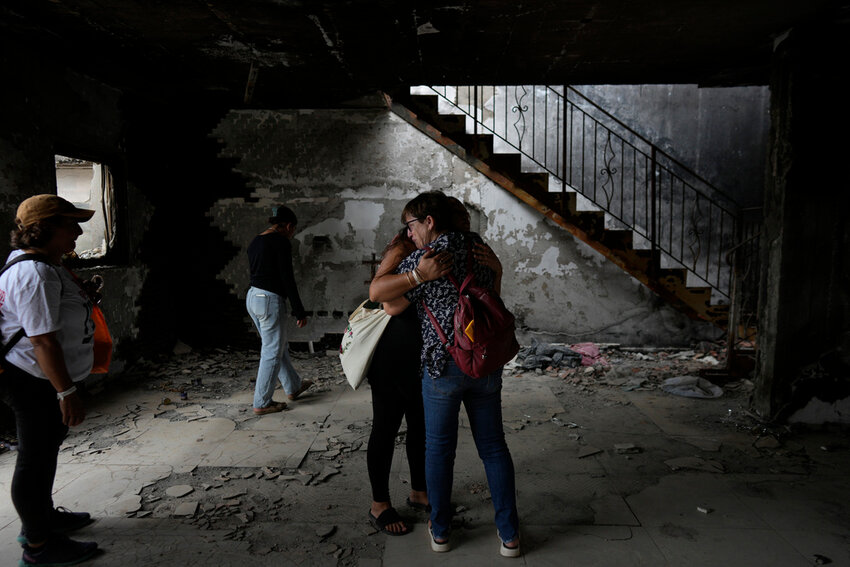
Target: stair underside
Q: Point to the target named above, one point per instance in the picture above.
(587, 226)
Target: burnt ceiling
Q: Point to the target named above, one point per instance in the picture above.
(287, 53)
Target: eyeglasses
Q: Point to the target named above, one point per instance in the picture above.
(407, 224)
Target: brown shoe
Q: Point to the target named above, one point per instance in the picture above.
(305, 385)
(273, 407)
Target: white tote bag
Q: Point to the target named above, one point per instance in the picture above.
(365, 327)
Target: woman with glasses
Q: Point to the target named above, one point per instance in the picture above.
(445, 387)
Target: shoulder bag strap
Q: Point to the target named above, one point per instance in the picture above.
(20, 334)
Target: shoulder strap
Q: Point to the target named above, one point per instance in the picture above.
(470, 276)
(22, 258)
(20, 333)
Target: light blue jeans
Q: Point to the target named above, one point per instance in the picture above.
(267, 311)
(482, 398)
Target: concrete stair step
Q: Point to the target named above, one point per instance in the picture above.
(615, 244)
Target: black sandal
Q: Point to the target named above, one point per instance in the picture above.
(419, 506)
(387, 517)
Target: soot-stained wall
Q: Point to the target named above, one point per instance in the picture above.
(348, 173)
(47, 109)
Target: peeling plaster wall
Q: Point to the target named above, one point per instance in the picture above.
(348, 174)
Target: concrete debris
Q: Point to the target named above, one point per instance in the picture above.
(269, 474)
(128, 505)
(179, 490)
(540, 355)
(325, 531)
(186, 509)
(326, 473)
(588, 451)
(627, 448)
(181, 348)
(249, 503)
(695, 463)
(767, 442)
(691, 387)
(709, 445)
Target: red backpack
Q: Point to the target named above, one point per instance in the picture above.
(484, 328)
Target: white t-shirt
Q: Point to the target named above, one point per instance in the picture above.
(44, 298)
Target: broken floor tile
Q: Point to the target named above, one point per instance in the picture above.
(326, 474)
(325, 531)
(709, 445)
(588, 451)
(186, 509)
(627, 448)
(179, 490)
(127, 505)
(695, 463)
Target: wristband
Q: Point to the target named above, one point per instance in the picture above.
(66, 393)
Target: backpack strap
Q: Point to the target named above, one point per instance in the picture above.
(20, 333)
(470, 276)
(440, 333)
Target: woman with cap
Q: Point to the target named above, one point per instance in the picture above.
(47, 315)
(272, 283)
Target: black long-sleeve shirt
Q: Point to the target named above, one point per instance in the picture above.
(270, 258)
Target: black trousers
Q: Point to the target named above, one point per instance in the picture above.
(393, 400)
(396, 385)
(40, 434)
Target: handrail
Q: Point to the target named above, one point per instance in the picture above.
(647, 142)
(666, 205)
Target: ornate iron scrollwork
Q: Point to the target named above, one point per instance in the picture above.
(695, 234)
(608, 172)
(521, 109)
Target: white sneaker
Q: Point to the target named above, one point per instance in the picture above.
(437, 546)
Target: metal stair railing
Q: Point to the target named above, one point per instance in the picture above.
(556, 129)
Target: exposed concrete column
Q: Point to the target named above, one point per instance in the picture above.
(804, 311)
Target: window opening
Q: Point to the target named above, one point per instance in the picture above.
(89, 185)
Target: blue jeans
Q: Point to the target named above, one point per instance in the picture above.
(266, 310)
(482, 397)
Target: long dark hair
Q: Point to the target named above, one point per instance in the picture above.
(401, 239)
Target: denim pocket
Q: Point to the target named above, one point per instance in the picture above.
(260, 305)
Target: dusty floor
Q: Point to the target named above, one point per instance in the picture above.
(611, 470)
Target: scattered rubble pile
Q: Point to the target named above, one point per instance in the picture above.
(675, 370)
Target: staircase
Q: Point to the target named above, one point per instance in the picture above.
(568, 158)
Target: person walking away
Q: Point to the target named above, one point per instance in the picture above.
(272, 283)
(40, 296)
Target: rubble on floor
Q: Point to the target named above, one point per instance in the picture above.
(589, 365)
(244, 501)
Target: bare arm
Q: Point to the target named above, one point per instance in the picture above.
(387, 287)
(51, 359)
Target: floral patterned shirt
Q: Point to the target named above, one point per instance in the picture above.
(441, 295)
